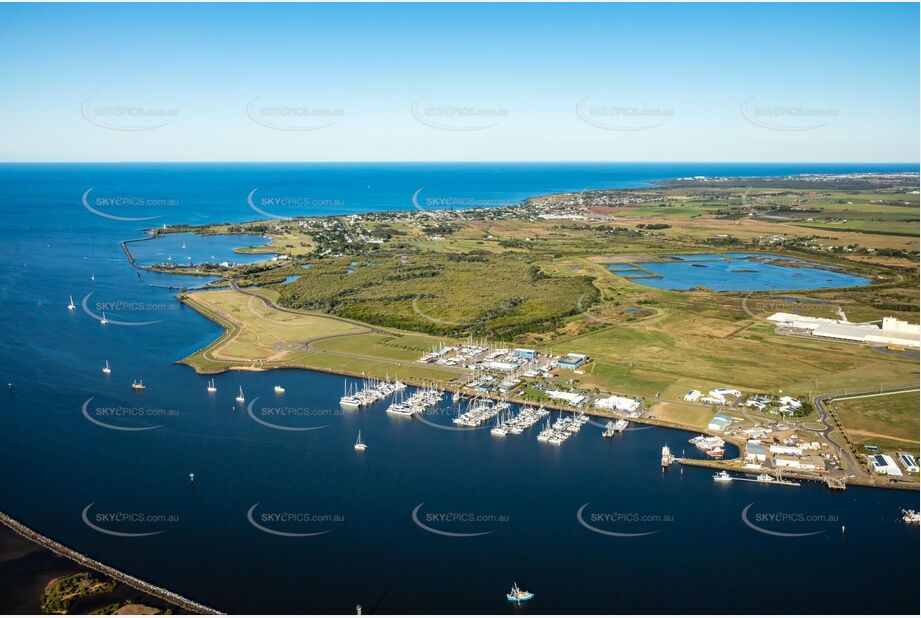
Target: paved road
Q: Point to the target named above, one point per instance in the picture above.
(854, 467)
(367, 329)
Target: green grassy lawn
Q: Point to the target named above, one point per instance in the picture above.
(890, 422)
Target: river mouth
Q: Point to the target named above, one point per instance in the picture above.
(735, 272)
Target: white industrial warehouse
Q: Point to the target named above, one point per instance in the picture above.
(891, 331)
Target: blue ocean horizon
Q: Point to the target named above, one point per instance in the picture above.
(65, 474)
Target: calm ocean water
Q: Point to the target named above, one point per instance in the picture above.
(63, 474)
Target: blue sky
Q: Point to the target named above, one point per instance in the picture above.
(541, 82)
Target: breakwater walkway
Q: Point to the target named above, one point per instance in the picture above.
(129, 580)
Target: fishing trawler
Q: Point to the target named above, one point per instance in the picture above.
(211, 387)
(517, 595)
(359, 445)
(667, 457)
(240, 397)
(107, 370)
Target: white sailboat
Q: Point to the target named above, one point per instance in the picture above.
(211, 387)
(107, 370)
(138, 385)
(359, 445)
(104, 319)
(71, 306)
(240, 397)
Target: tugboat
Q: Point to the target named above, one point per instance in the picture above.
(517, 595)
(359, 445)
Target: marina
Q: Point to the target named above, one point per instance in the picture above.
(371, 392)
(562, 429)
(526, 418)
(417, 403)
(614, 427)
(479, 411)
(238, 462)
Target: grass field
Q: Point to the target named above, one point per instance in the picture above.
(259, 337)
(523, 280)
(687, 415)
(890, 422)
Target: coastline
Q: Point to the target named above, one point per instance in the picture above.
(120, 576)
(730, 465)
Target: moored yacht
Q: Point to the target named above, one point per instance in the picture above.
(138, 385)
(359, 445)
(722, 477)
(211, 387)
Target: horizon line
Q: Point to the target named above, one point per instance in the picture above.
(462, 161)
